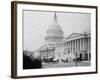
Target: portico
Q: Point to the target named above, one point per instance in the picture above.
(79, 44)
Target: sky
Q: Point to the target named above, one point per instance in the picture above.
(36, 23)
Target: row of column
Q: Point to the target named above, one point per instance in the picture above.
(81, 44)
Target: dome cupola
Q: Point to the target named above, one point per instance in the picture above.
(54, 32)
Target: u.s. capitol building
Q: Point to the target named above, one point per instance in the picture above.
(76, 45)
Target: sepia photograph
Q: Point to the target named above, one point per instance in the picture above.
(53, 39)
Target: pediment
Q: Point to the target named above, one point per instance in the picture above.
(74, 35)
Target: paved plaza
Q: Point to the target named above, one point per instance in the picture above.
(67, 64)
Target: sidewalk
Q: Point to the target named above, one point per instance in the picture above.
(67, 64)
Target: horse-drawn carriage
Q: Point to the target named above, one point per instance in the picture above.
(50, 60)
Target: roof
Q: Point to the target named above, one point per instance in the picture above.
(45, 47)
(77, 35)
(74, 35)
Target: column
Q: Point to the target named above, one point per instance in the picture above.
(88, 47)
(72, 46)
(83, 47)
(69, 46)
(80, 44)
(77, 45)
(86, 44)
(76, 48)
(83, 43)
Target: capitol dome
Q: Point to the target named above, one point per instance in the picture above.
(54, 32)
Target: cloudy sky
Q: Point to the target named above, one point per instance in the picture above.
(35, 25)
